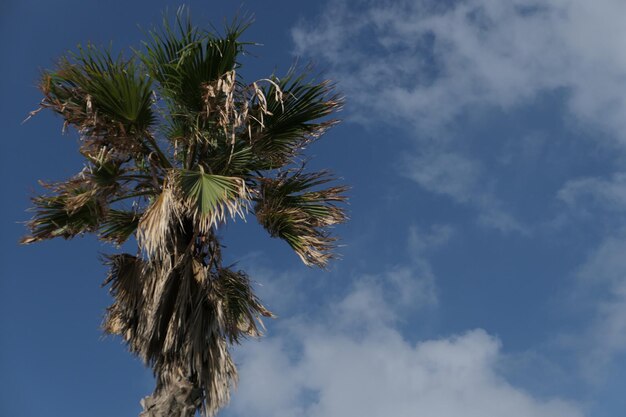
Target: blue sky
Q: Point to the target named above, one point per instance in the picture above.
(483, 271)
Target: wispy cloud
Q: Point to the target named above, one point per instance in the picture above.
(606, 193)
(410, 285)
(464, 180)
(602, 285)
(427, 63)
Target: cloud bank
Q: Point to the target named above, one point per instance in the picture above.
(354, 362)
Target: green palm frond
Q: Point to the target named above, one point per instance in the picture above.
(104, 173)
(293, 208)
(100, 94)
(209, 198)
(182, 59)
(295, 106)
(117, 90)
(231, 159)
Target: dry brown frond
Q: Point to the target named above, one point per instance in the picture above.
(231, 102)
(174, 320)
(154, 233)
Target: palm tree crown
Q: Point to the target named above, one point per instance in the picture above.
(176, 144)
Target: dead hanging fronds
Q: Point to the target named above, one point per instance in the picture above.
(127, 279)
(177, 322)
(242, 309)
(229, 103)
(33, 113)
(155, 232)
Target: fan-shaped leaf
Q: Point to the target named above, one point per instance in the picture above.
(209, 198)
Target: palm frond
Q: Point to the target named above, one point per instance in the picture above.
(294, 108)
(182, 59)
(127, 277)
(103, 172)
(118, 225)
(155, 230)
(209, 198)
(116, 89)
(70, 213)
(242, 308)
(230, 159)
(292, 208)
(99, 94)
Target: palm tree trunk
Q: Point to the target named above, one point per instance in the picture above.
(177, 399)
(177, 395)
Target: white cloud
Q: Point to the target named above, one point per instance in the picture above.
(603, 276)
(421, 242)
(425, 63)
(321, 367)
(446, 173)
(408, 288)
(464, 181)
(606, 193)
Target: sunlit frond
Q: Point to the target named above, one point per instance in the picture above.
(155, 234)
(210, 198)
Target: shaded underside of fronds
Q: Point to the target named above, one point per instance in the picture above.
(294, 208)
(118, 225)
(74, 208)
(242, 309)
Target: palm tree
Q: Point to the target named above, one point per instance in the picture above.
(175, 145)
